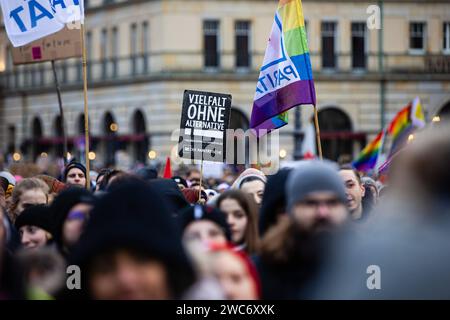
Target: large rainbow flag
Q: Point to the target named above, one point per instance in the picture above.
(285, 79)
(368, 157)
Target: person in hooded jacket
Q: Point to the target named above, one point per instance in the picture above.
(131, 249)
(70, 213)
(12, 286)
(253, 182)
(173, 197)
(292, 251)
(274, 200)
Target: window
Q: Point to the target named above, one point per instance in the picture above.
(114, 50)
(446, 33)
(144, 38)
(211, 43)
(358, 45)
(11, 139)
(329, 45)
(104, 51)
(145, 45)
(133, 47)
(417, 36)
(242, 44)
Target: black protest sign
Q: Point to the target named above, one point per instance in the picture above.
(204, 120)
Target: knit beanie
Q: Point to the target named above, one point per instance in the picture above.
(313, 176)
(72, 165)
(38, 216)
(199, 212)
(250, 173)
(62, 204)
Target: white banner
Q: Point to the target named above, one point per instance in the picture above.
(26, 21)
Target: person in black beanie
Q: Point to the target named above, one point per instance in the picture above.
(70, 212)
(205, 224)
(75, 174)
(34, 225)
(131, 232)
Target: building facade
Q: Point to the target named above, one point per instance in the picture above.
(142, 55)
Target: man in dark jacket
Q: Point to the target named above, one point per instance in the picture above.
(291, 251)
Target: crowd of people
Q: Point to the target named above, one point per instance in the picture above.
(308, 231)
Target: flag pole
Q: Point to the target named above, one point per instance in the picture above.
(201, 181)
(316, 124)
(86, 110)
(61, 112)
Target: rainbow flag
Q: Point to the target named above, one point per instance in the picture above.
(285, 79)
(400, 122)
(405, 123)
(367, 159)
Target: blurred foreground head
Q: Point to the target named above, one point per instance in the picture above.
(235, 272)
(420, 173)
(412, 258)
(131, 248)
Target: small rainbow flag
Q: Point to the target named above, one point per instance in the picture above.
(367, 159)
(285, 79)
(404, 123)
(400, 122)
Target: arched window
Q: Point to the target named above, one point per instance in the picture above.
(141, 145)
(110, 128)
(11, 139)
(37, 132)
(444, 113)
(335, 128)
(58, 133)
(238, 120)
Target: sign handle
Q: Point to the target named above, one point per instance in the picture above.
(61, 112)
(201, 181)
(86, 110)
(316, 124)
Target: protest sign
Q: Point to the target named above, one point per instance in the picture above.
(61, 45)
(204, 120)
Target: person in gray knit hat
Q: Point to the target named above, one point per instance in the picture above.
(316, 195)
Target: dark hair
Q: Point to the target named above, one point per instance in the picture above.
(108, 176)
(348, 166)
(123, 178)
(246, 202)
(102, 173)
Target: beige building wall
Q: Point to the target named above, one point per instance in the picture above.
(176, 63)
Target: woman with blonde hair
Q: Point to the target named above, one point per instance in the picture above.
(28, 192)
